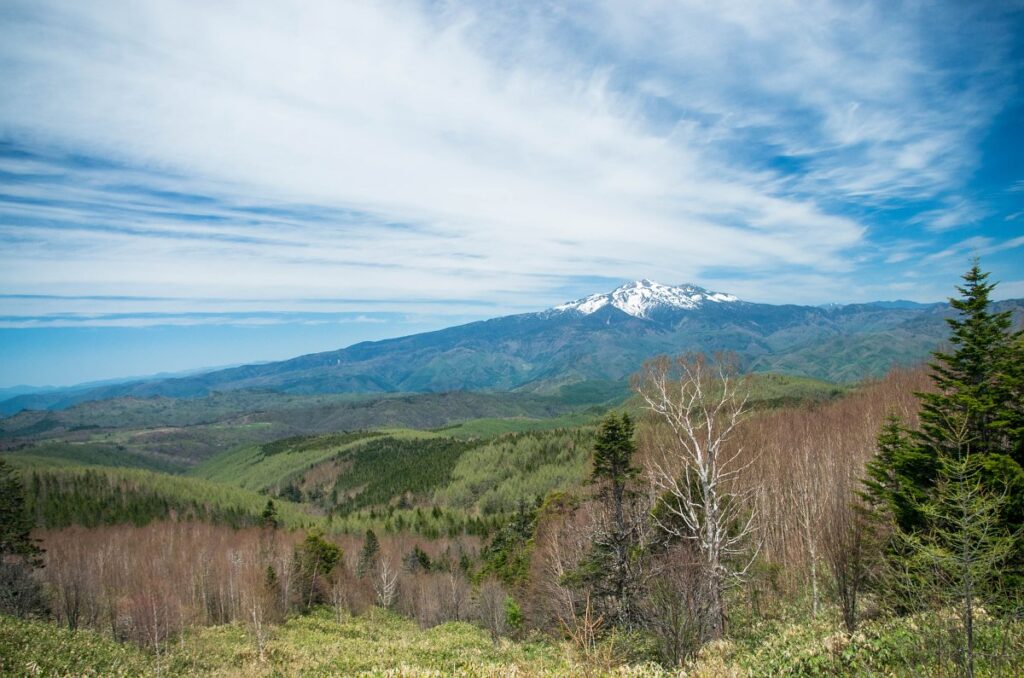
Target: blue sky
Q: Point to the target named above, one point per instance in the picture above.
(186, 184)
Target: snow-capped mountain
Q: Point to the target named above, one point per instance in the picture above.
(596, 343)
(641, 298)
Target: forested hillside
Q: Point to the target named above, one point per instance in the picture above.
(715, 523)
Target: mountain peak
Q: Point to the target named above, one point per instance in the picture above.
(640, 298)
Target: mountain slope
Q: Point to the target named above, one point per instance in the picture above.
(601, 337)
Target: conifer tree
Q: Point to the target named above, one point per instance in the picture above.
(610, 567)
(970, 383)
(897, 477)
(20, 593)
(368, 555)
(15, 523)
(314, 559)
(959, 559)
(976, 407)
(975, 413)
(1009, 421)
(613, 459)
(269, 518)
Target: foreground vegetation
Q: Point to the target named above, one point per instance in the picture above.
(383, 643)
(315, 644)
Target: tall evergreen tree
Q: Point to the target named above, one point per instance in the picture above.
(269, 518)
(959, 558)
(368, 554)
(970, 383)
(611, 564)
(976, 407)
(20, 593)
(313, 560)
(15, 523)
(974, 412)
(1009, 421)
(613, 459)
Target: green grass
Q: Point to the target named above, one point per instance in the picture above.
(920, 645)
(376, 643)
(381, 643)
(33, 648)
(61, 494)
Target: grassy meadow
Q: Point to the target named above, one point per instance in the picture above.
(381, 643)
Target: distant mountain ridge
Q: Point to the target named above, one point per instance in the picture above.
(29, 395)
(600, 338)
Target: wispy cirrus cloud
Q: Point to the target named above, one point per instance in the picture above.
(952, 215)
(977, 246)
(501, 155)
(190, 319)
(862, 97)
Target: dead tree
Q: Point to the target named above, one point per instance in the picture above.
(386, 583)
(697, 405)
(457, 589)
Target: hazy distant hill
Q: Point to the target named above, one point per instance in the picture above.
(604, 337)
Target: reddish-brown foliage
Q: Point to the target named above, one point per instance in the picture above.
(147, 583)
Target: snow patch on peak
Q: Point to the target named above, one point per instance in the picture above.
(640, 297)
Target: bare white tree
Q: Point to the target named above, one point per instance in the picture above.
(490, 605)
(457, 595)
(807, 491)
(698, 405)
(340, 593)
(561, 542)
(386, 583)
(257, 608)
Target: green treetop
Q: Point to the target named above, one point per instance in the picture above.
(613, 452)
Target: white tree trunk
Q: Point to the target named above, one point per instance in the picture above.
(698, 407)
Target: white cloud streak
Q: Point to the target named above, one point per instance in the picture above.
(490, 153)
(977, 246)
